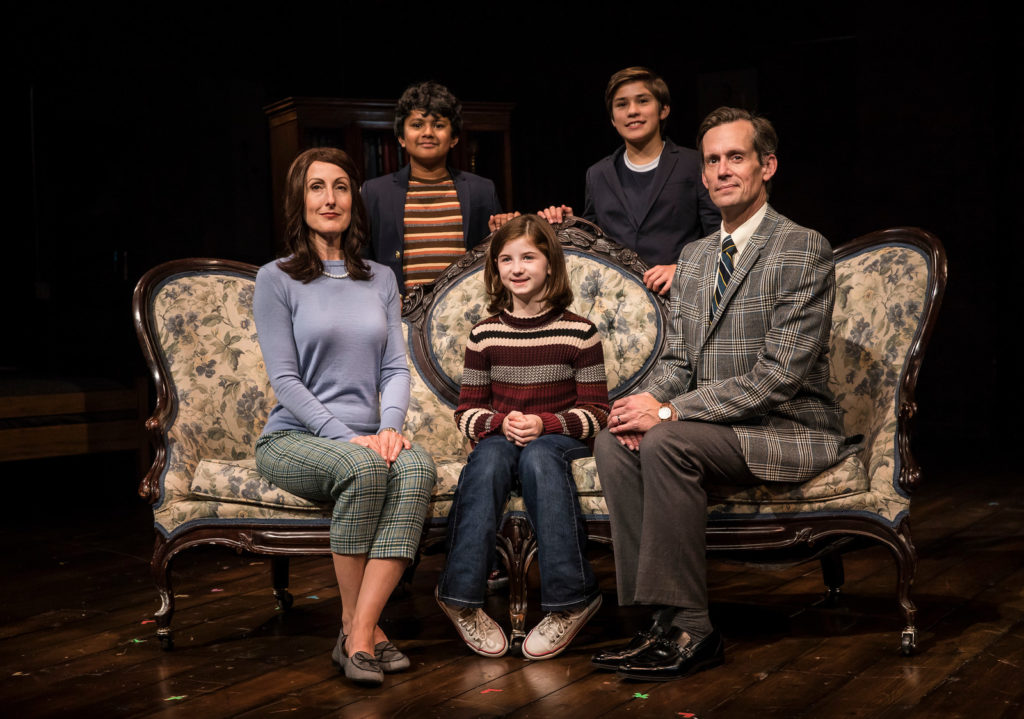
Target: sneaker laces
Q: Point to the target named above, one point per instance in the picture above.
(555, 623)
(472, 620)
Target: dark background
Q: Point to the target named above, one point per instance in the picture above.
(139, 136)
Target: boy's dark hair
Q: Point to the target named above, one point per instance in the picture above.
(539, 231)
(432, 98)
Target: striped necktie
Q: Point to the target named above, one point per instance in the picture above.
(724, 271)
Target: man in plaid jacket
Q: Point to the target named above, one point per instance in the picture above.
(740, 396)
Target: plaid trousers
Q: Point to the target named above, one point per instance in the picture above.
(378, 511)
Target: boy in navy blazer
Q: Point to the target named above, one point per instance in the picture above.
(426, 215)
(647, 195)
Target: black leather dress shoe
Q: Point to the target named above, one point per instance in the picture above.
(613, 657)
(665, 659)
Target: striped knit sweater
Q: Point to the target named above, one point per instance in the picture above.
(550, 365)
(433, 230)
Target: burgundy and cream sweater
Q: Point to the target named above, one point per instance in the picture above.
(550, 365)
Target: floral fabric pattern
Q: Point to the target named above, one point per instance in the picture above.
(205, 328)
(239, 481)
(613, 299)
(880, 302)
(431, 423)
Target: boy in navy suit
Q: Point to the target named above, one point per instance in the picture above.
(648, 194)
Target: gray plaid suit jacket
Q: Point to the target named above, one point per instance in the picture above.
(761, 363)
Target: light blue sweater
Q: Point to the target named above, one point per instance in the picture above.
(334, 351)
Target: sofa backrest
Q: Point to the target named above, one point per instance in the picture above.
(888, 288)
(213, 395)
(609, 291)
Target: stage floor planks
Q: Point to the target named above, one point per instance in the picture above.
(75, 636)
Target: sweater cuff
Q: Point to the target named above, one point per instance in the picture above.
(552, 423)
(392, 418)
(336, 429)
(494, 423)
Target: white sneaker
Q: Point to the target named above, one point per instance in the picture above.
(480, 633)
(554, 632)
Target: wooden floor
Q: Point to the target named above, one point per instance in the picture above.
(76, 638)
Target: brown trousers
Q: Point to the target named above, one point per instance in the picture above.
(658, 507)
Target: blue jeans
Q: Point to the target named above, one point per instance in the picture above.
(543, 469)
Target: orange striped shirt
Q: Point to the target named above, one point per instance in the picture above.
(433, 230)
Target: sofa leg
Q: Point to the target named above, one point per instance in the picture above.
(906, 567)
(161, 570)
(279, 577)
(517, 546)
(834, 576)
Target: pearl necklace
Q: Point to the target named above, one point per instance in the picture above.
(335, 277)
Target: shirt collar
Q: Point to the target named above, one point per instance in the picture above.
(646, 167)
(742, 234)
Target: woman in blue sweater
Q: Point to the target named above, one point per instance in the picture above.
(330, 329)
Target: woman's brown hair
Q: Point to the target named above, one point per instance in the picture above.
(302, 262)
(558, 293)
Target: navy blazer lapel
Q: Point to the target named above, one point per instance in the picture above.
(611, 177)
(669, 158)
(394, 212)
(462, 192)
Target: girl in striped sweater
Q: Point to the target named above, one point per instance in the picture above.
(533, 396)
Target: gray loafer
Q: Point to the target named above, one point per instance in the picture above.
(387, 655)
(390, 658)
(362, 668)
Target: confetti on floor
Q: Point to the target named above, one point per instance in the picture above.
(312, 596)
(148, 621)
(485, 691)
(138, 641)
(638, 695)
(216, 589)
(175, 698)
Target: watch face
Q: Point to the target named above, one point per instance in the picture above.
(664, 413)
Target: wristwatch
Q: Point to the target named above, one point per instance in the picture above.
(666, 412)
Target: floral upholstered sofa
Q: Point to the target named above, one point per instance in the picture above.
(194, 319)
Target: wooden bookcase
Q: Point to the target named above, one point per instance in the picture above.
(364, 129)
